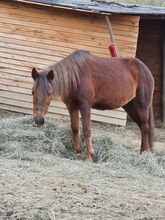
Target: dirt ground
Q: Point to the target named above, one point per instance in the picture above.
(41, 179)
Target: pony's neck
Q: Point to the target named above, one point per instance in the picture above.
(66, 79)
(58, 87)
(67, 73)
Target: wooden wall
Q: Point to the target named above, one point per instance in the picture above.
(32, 36)
(150, 51)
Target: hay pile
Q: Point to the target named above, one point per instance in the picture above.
(20, 140)
(118, 168)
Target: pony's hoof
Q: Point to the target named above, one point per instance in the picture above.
(77, 151)
(89, 158)
(145, 150)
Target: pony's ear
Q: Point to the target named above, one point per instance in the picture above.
(34, 73)
(50, 75)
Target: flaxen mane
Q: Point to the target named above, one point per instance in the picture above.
(66, 72)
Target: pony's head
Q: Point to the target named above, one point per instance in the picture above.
(42, 95)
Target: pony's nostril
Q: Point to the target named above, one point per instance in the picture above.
(42, 121)
(39, 121)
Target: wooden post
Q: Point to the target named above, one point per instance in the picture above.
(163, 92)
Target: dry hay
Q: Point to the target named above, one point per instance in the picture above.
(43, 179)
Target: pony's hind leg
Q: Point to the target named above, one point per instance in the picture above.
(140, 116)
(74, 118)
(145, 132)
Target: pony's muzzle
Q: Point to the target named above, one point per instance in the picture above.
(38, 121)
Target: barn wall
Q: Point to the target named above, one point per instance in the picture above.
(150, 51)
(32, 36)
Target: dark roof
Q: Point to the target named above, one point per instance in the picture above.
(101, 6)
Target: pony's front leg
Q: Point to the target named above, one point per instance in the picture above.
(86, 124)
(74, 118)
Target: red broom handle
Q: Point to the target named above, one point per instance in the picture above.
(112, 47)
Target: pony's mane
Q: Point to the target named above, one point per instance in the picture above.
(66, 72)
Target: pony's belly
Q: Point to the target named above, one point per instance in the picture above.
(103, 106)
(112, 103)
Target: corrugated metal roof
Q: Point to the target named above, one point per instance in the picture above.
(160, 3)
(102, 6)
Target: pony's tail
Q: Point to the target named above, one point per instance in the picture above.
(151, 125)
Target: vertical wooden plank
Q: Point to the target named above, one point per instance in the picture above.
(163, 92)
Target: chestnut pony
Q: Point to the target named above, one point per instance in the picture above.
(84, 81)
